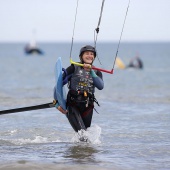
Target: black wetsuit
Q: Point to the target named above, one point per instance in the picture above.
(80, 98)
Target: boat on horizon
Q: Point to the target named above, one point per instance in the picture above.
(32, 47)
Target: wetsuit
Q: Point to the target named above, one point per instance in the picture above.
(80, 98)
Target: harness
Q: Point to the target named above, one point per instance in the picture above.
(79, 97)
(81, 88)
(81, 81)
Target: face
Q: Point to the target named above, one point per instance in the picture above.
(88, 57)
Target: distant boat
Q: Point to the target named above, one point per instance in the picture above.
(32, 47)
(29, 49)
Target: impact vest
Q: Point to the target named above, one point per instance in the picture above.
(81, 80)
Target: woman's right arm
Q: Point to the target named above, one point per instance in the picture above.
(68, 73)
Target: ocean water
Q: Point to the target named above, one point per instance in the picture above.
(131, 131)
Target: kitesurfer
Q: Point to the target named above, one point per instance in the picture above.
(135, 62)
(81, 83)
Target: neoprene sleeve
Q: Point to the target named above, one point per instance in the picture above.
(98, 82)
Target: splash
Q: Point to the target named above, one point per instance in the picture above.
(91, 135)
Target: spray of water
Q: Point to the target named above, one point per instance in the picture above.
(91, 135)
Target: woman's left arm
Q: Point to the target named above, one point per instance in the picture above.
(97, 79)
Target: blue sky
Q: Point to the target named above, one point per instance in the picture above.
(53, 20)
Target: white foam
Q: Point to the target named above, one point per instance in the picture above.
(13, 131)
(37, 139)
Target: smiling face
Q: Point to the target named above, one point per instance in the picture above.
(88, 57)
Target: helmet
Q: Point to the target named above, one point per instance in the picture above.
(87, 48)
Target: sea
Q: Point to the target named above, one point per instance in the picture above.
(129, 131)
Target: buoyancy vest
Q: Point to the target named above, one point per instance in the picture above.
(81, 80)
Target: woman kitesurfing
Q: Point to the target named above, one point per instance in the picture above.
(82, 81)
